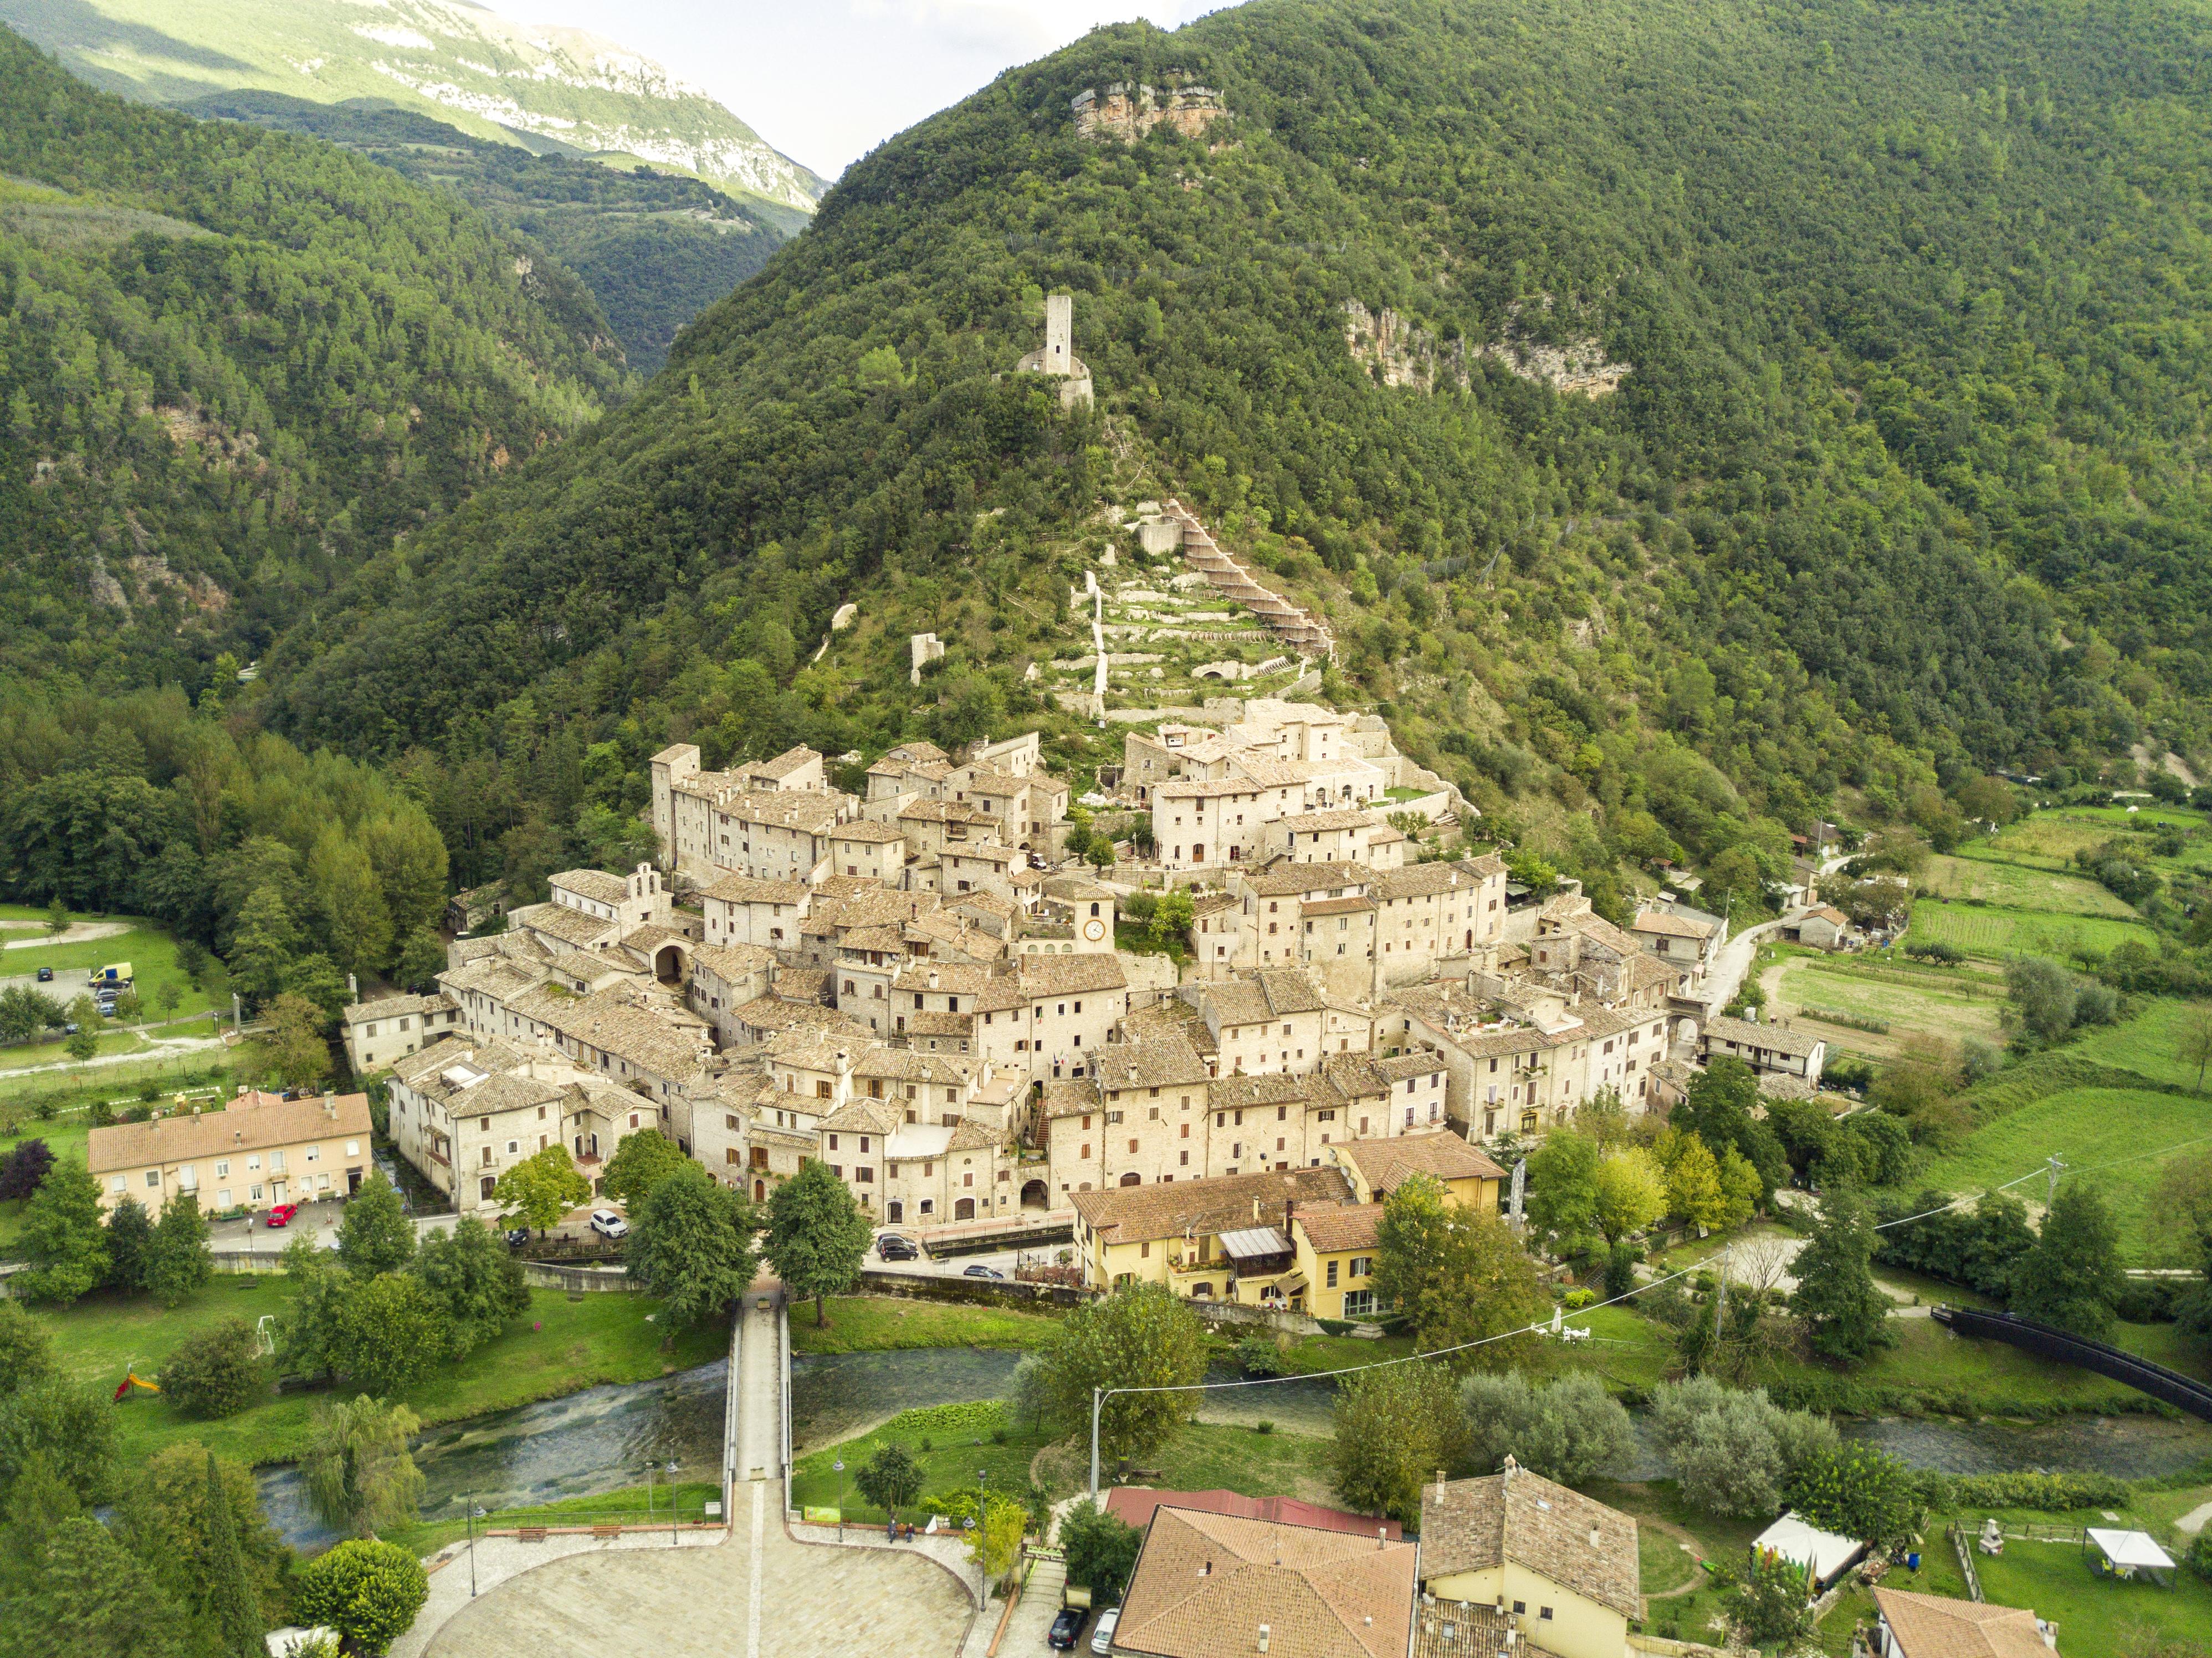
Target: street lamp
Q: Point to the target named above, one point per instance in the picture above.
(474, 1515)
(839, 1465)
(672, 1502)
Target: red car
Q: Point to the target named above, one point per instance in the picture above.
(283, 1213)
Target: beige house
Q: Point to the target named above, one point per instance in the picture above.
(1221, 1586)
(1562, 1566)
(1934, 1626)
(1769, 1049)
(380, 1034)
(258, 1150)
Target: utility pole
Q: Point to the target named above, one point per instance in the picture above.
(1720, 1298)
(1097, 1401)
(2050, 1194)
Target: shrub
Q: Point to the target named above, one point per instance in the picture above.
(368, 1591)
(1575, 1300)
(2046, 1493)
(218, 1373)
(1258, 1356)
(1772, 1604)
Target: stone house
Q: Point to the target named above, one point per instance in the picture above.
(465, 1110)
(1275, 1021)
(379, 1033)
(869, 851)
(766, 914)
(1140, 1118)
(1048, 1017)
(725, 978)
(1430, 912)
(1769, 1049)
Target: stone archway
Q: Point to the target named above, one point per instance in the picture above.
(963, 1209)
(1133, 1178)
(1036, 1195)
(670, 962)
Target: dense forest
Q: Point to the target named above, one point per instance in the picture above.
(1901, 482)
(655, 248)
(234, 363)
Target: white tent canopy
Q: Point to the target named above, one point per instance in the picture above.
(2132, 1549)
(1824, 1555)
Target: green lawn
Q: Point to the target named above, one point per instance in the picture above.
(559, 1347)
(1995, 880)
(865, 1324)
(1220, 1456)
(2000, 932)
(950, 1441)
(2097, 1617)
(2089, 1128)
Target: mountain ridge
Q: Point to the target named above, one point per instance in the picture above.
(545, 88)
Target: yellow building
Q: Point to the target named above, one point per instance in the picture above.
(1562, 1566)
(1219, 1240)
(258, 1150)
(1376, 1168)
(1334, 1247)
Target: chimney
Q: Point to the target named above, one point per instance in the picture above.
(1594, 1542)
(1381, 1537)
(353, 988)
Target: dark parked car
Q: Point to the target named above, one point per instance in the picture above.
(1067, 1629)
(517, 1236)
(979, 1270)
(46, 975)
(891, 1246)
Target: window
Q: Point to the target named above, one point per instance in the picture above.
(512, 1147)
(833, 1142)
(1543, 1613)
(222, 1198)
(153, 1177)
(1332, 1276)
(222, 1169)
(1358, 1303)
(353, 1148)
(277, 1161)
(254, 1194)
(119, 1183)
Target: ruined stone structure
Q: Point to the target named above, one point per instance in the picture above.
(1057, 357)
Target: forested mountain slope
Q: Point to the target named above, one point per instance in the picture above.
(549, 89)
(655, 248)
(1905, 479)
(233, 362)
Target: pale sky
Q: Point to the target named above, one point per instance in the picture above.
(826, 81)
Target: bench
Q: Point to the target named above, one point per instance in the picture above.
(601, 1533)
(530, 1533)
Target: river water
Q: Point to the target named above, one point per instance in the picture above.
(604, 1439)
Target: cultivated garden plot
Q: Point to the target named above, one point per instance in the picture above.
(1985, 876)
(1995, 933)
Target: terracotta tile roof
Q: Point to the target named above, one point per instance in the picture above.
(1069, 1096)
(1580, 1544)
(1453, 1629)
(1205, 1583)
(1777, 1038)
(1057, 975)
(593, 883)
(1660, 923)
(391, 1007)
(1384, 1165)
(1132, 1505)
(1163, 1062)
(1284, 878)
(862, 829)
(249, 1123)
(1130, 1213)
(1931, 1626)
(805, 810)
(1332, 1226)
(1426, 880)
(746, 889)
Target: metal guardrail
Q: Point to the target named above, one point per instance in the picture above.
(2182, 1392)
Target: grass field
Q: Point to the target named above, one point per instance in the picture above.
(2149, 1044)
(862, 1324)
(1921, 1004)
(1996, 933)
(2013, 886)
(2090, 1128)
(629, 1506)
(559, 1347)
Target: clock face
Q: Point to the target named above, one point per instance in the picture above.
(1094, 929)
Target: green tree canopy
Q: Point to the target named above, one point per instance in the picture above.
(542, 1188)
(639, 1164)
(366, 1590)
(1142, 1335)
(474, 1281)
(2072, 1278)
(1395, 1427)
(375, 1236)
(62, 1237)
(177, 1265)
(1457, 1274)
(360, 1472)
(1835, 1295)
(693, 1244)
(817, 1238)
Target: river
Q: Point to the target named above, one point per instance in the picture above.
(604, 1439)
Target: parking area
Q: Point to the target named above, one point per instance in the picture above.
(1000, 1261)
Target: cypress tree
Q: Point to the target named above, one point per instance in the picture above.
(232, 1606)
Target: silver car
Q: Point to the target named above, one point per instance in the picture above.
(1101, 1638)
(609, 1225)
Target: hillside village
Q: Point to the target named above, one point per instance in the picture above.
(916, 987)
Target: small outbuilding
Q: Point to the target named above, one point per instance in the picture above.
(1822, 1556)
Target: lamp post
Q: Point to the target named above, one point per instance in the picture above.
(839, 1465)
(474, 1515)
(983, 1520)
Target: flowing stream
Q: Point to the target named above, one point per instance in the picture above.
(605, 1438)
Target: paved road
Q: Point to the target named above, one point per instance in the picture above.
(1731, 963)
(762, 1593)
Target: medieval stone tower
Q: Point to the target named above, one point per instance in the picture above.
(1058, 357)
